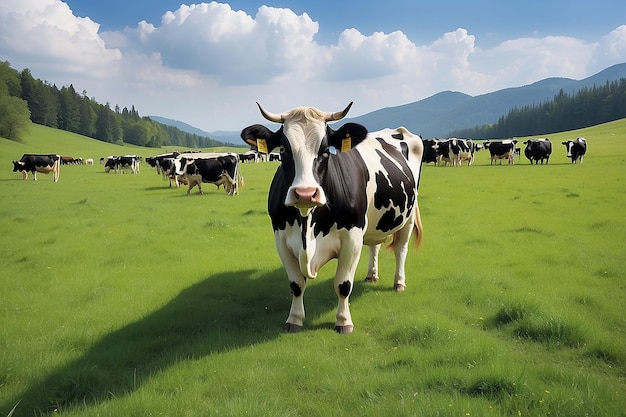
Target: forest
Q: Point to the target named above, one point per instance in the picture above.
(587, 107)
(24, 98)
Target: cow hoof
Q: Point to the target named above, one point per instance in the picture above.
(291, 328)
(399, 287)
(371, 279)
(344, 329)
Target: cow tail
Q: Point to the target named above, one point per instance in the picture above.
(418, 228)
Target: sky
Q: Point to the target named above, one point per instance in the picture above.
(207, 64)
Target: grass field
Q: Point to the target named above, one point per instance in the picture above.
(123, 297)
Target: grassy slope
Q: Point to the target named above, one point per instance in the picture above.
(124, 297)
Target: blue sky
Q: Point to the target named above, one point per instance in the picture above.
(207, 64)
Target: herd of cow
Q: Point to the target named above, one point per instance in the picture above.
(455, 151)
(334, 191)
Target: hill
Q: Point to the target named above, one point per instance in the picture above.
(444, 112)
(438, 115)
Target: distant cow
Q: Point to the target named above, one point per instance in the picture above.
(501, 149)
(38, 163)
(249, 156)
(68, 160)
(576, 149)
(274, 156)
(120, 163)
(538, 150)
(325, 204)
(218, 169)
(466, 151)
(89, 161)
(430, 151)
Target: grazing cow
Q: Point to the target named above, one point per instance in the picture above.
(538, 150)
(38, 163)
(218, 169)
(120, 163)
(501, 149)
(466, 151)
(67, 160)
(576, 149)
(251, 156)
(335, 191)
(89, 161)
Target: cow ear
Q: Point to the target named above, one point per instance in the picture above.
(347, 136)
(252, 134)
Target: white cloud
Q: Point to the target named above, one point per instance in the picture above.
(47, 32)
(613, 45)
(207, 64)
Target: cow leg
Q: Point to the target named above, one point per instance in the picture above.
(344, 282)
(372, 269)
(400, 250)
(297, 284)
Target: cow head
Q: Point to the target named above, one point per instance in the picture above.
(18, 166)
(307, 143)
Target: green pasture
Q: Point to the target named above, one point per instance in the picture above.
(120, 296)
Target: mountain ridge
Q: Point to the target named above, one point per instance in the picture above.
(447, 111)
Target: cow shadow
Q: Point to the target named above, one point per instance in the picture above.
(223, 312)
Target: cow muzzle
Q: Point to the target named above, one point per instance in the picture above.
(305, 199)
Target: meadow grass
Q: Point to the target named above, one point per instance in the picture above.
(122, 296)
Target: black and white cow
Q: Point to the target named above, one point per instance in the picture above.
(467, 147)
(537, 150)
(121, 163)
(430, 151)
(501, 149)
(447, 152)
(249, 156)
(35, 163)
(576, 149)
(326, 204)
(218, 169)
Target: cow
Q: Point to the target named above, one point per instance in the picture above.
(335, 191)
(430, 151)
(171, 169)
(68, 160)
(447, 152)
(127, 162)
(538, 150)
(466, 151)
(274, 156)
(576, 149)
(501, 149)
(109, 163)
(89, 161)
(218, 169)
(120, 163)
(251, 156)
(38, 163)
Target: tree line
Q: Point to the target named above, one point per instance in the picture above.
(589, 106)
(24, 99)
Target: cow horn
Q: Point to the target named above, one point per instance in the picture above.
(271, 116)
(340, 114)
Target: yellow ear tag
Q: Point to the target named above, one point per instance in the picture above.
(261, 145)
(346, 144)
